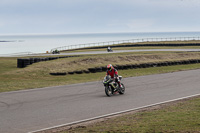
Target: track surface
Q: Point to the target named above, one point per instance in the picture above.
(30, 110)
(102, 52)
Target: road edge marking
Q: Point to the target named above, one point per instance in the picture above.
(112, 114)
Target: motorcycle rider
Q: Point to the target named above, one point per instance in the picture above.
(113, 73)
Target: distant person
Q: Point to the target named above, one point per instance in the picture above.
(109, 49)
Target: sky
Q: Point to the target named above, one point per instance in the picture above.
(98, 16)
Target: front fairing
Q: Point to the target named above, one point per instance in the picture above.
(107, 80)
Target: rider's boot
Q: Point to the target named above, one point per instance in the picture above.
(115, 89)
(120, 86)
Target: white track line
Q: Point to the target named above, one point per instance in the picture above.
(111, 114)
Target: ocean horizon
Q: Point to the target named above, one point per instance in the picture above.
(40, 43)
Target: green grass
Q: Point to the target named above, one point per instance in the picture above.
(89, 61)
(181, 117)
(28, 78)
(37, 75)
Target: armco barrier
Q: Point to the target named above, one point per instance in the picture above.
(133, 43)
(138, 45)
(135, 66)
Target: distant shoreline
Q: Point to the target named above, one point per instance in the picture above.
(7, 41)
(43, 43)
(12, 41)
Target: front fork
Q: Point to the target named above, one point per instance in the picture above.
(115, 85)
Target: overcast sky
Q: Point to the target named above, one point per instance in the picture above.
(98, 16)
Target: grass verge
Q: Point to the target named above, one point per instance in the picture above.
(182, 116)
(37, 75)
(12, 78)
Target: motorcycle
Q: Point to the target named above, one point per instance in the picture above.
(112, 87)
(109, 49)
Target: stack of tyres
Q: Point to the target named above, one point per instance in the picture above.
(104, 69)
(92, 70)
(129, 66)
(125, 67)
(42, 59)
(98, 69)
(46, 58)
(143, 65)
(78, 72)
(21, 63)
(58, 73)
(26, 62)
(31, 60)
(36, 60)
(119, 67)
(53, 58)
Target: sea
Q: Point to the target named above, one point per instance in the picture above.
(42, 43)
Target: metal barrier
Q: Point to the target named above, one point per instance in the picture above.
(124, 41)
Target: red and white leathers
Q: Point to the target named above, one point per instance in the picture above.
(114, 74)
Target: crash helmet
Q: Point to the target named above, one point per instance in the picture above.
(109, 67)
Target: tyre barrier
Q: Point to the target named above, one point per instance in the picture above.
(86, 71)
(125, 67)
(36, 60)
(129, 66)
(104, 69)
(21, 63)
(31, 61)
(70, 72)
(58, 73)
(98, 69)
(135, 66)
(78, 72)
(92, 70)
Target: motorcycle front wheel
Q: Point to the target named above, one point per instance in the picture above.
(108, 91)
(122, 89)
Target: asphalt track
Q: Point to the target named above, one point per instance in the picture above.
(30, 110)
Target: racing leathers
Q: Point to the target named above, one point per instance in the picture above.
(114, 75)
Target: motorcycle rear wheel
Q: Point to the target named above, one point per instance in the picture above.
(108, 91)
